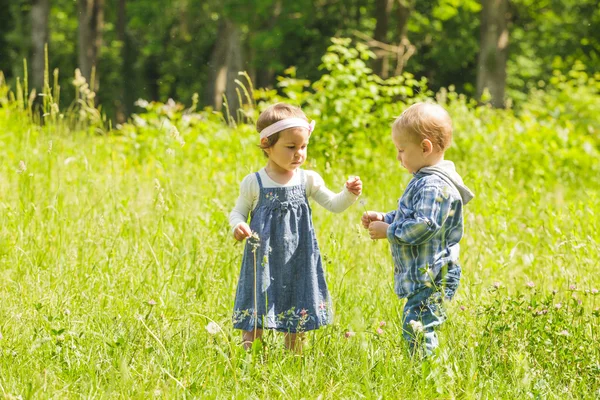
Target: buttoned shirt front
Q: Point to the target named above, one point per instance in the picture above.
(424, 232)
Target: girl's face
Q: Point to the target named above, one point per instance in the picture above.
(290, 150)
(411, 154)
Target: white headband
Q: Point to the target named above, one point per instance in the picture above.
(285, 124)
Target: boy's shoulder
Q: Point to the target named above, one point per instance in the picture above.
(421, 180)
(431, 185)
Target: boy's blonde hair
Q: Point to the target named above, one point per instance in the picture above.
(426, 121)
(276, 113)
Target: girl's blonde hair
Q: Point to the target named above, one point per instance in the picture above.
(276, 113)
(426, 121)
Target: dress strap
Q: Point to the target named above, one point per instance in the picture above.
(260, 185)
(302, 178)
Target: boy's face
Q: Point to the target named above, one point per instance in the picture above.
(411, 154)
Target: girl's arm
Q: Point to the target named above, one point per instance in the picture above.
(334, 202)
(245, 203)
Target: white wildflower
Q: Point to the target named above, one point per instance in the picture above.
(142, 103)
(22, 167)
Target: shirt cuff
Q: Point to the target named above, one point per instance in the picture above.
(391, 230)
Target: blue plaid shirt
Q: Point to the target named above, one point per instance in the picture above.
(424, 232)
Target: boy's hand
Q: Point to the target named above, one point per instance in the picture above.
(370, 216)
(242, 231)
(378, 230)
(354, 185)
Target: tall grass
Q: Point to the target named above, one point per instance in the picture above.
(116, 256)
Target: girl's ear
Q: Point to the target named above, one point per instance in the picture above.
(264, 142)
(427, 146)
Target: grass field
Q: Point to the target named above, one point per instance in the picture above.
(116, 255)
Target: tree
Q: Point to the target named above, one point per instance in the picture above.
(382, 15)
(493, 53)
(40, 11)
(91, 24)
(126, 92)
(225, 63)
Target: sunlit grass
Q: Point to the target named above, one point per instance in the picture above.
(118, 272)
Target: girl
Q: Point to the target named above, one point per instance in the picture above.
(282, 284)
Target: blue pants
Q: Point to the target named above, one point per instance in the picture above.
(424, 310)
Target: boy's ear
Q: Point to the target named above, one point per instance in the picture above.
(427, 146)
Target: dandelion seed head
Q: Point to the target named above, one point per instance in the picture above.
(530, 284)
(151, 302)
(417, 326)
(213, 328)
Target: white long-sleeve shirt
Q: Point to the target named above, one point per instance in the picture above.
(315, 189)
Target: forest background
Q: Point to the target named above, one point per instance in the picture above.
(160, 49)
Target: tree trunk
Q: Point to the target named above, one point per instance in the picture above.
(91, 23)
(126, 93)
(382, 17)
(40, 10)
(264, 75)
(225, 63)
(402, 13)
(493, 53)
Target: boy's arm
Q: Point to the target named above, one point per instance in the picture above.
(389, 217)
(427, 220)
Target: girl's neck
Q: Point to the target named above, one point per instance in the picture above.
(278, 174)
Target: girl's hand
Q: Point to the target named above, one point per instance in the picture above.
(370, 216)
(242, 231)
(354, 185)
(378, 230)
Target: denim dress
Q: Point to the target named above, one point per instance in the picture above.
(282, 283)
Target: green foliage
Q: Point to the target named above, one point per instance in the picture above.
(548, 36)
(349, 102)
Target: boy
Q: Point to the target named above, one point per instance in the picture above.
(425, 229)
